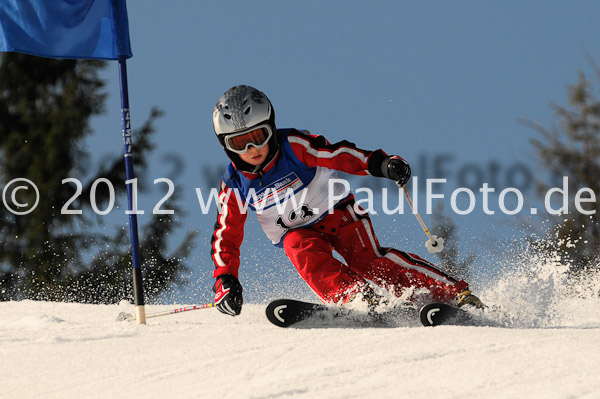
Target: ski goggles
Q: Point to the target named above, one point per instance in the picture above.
(240, 142)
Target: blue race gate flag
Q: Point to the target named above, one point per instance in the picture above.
(86, 29)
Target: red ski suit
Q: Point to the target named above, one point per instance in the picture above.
(345, 229)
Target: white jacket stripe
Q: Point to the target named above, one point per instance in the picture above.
(223, 223)
(327, 154)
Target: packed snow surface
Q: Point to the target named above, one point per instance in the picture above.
(65, 350)
(548, 346)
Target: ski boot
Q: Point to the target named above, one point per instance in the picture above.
(466, 298)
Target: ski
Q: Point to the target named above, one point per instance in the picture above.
(291, 312)
(437, 314)
(286, 312)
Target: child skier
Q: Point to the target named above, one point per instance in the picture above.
(284, 175)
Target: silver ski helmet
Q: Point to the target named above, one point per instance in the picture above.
(243, 109)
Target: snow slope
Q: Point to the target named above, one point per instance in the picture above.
(60, 350)
(548, 347)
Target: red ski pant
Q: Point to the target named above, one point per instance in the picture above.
(351, 235)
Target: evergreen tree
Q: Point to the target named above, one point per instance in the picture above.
(45, 110)
(572, 149)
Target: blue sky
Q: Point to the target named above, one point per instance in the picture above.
(419, 79)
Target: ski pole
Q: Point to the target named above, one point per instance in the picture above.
(435, 243)
(129, 317)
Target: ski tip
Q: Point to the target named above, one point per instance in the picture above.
(435, 314)
(428, 314)
(277, 313)
(286, 312)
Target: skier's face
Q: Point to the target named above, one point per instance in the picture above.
(255, 156)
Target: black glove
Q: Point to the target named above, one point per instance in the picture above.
(228, 295)
(396, 168)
